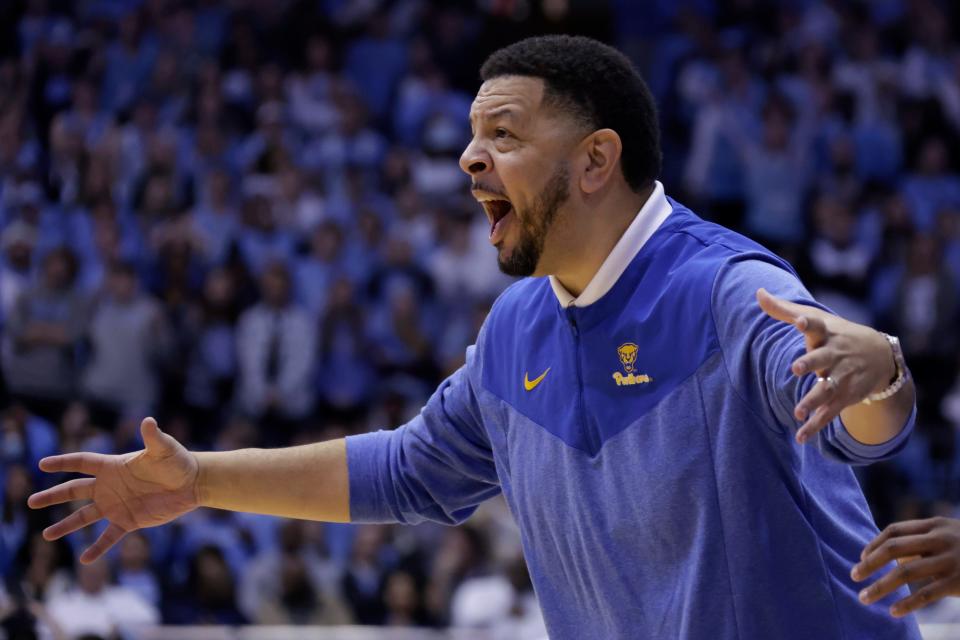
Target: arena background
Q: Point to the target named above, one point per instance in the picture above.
(199, 199)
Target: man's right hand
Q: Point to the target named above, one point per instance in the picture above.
(145, 488)
(926, 551)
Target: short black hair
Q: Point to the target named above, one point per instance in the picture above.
(598, 86)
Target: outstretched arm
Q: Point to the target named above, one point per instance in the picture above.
(163, 481)
(308, 482)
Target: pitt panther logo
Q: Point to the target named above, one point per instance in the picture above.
(628, 359)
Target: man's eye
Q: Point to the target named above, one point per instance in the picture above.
(500, 132)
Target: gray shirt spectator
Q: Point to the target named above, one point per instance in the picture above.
(128, 340)
(43, 329)
(17, 243)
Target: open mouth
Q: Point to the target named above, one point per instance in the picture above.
(497, 210)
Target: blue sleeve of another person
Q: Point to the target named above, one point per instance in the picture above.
(758, 352)
(439, 466)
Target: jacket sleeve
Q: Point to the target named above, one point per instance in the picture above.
(439, 466)
(758, 352)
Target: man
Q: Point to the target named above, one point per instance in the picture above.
(635, 408)
(47, 322)
(130, 342)
(276, 347)
(98, 606)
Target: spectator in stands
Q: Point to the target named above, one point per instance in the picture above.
(931, 187)
(98, 606)
(261, 240)
(345, 366)
(460, 265)
(375, 63)
(215, 220)
(403, 599)
(502, 603)
(211, 361)
(209, 596)
(401, 331)
(293, 584)
(45, 568)
(43, 333)
(81, 431)
(102, 241)
(778, 173)
(839, 261)
(17, 524)
(364, 578)
(311, 91)
(316, 272)
(276, 350)
(134, 570)
(464, 553)
(128, 344)
(297, 204)
(25, 438)
(17, 243)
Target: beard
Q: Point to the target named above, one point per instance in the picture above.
(534, 225)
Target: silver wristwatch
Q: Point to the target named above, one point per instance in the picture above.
(903, 374)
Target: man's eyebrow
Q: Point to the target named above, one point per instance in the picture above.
(499, 112)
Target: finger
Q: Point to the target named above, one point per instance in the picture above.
(821, 393)
(901, 575)
(76, 520)
(88, 463)
(778, 308)
(79, 489)
(154, 440)
(896, 530)
(814, 329)
(892, 549)
(818, 421)
(821, 359)
(110, 536)
(924, 596)
(805, 318)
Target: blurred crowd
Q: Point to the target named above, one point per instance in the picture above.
(246, 218)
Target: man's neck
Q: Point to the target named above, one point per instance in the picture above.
(594, 238)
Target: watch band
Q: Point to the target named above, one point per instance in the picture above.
(903, 374)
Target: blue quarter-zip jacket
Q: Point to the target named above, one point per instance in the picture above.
(652, 470)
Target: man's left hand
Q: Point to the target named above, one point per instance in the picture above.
(851, 361)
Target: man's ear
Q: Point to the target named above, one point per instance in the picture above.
(602, 149)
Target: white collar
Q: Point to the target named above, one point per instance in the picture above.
(654, 211)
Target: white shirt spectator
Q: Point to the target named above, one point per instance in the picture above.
(79, 613)
(291, 336)
(97, 607)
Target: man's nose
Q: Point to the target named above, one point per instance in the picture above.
(475, 160)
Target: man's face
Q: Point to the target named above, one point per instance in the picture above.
(275, 287)
(123, 285)
(517, 161)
